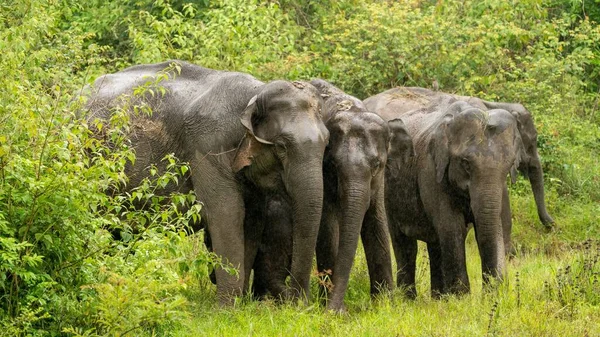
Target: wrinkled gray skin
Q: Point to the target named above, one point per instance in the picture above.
(353, 172)
(457, 176)
(410, 98)
(244, 140)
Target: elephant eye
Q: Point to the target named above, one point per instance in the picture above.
(466, 165)
(280, 151)
(375, 163)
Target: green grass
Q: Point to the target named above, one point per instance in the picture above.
(516, 308)
(540, 296)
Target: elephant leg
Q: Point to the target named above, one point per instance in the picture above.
(451, 231)
(271, 269)
(273, 261)
(223, 240)
(281, 264)
(261, 275)
(209, 247)
(327, 244)
(253, 231)
(454, 264)
(435, 270)
(376, 242)
(224, 214)
(506, 217)
(405, 250)
(276, 281)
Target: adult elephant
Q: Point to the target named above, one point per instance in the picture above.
(353, 171)
(410, 98)
(457, 176)
(243, 139)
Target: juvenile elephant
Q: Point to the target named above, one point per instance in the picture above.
(457, 176)
(353, 171)
(244, 140)
(274, 256)
(410, 98)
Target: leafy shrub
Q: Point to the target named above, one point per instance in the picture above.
(59, 266)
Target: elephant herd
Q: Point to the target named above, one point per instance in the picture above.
(285, 170)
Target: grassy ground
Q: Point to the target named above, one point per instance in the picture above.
(552, 289)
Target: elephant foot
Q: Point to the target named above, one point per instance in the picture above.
(511, 252)
(546, 220)
(258, 296)
(229, 294)
(549, 225)
(277, 292)
(436, 294)
(382, 293)
(459, 289)
(409, 291)
(339, 309)
(226, 300)
(290, 294)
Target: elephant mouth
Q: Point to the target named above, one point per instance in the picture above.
(461, 200)
(460, 193)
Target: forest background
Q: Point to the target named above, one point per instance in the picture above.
(61, 273)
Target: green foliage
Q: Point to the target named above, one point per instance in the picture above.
(59, 266)
(61, 271)
(575, 9)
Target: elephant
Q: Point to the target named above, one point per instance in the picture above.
(457, 176)
(410, 98)
(353, 206)
(244, 140)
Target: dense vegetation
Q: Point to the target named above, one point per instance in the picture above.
(61, 272)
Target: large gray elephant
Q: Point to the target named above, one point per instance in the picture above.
(457, 176)
(410, 98)
(244, 140)
(353, 172)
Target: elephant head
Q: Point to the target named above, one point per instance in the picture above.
(474, 151)
(530, 166)
(283, 150)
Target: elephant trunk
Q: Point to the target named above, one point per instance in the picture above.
(354, 198)
(486, 204)
(536, 178)
(304, 184)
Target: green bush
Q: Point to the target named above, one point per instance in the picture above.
(60, 268)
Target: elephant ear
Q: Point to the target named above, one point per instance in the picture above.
(519, 153)
(250, 144)
(439, 147)
(525, 125)
(528, 134)
(401, 144)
